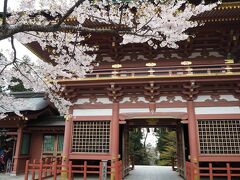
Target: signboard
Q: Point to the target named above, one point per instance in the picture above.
(104, 169)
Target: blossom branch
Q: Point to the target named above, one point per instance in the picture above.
(143, 21)
(121, 14)
(14, 56)
(5, 66)
(14, 29)
(69, 12)
(36, 73)
(17, 67)
(75, 44)
(14, 49)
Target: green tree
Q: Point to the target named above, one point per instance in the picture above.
(137, 150)
(18, 87)
(166, 145)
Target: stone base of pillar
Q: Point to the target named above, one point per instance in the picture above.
(194, 159)
(64, 176)
(13, 173)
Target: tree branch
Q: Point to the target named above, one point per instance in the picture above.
(121, 14)
(75, 43)
(2, 106)
(145, 139)
(69, 12)
(5, 66)
(14, 49)
(108, 11)
(36, 74)
(4, 13)
(18, 69)
(14, 29)
(14, 56)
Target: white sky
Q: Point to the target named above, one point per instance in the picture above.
(6, 45)
(151, 138)
(11, 3)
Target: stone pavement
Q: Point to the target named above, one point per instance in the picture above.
(153, 173)
(9, 177)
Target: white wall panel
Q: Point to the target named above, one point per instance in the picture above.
(171, 110)
(218, 110)
(92, 112)
(135, 110)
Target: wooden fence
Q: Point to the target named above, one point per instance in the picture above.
(193, 172)
(41, 170)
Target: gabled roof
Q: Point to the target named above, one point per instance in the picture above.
(53, 121)
(31, 101)
(30, 105)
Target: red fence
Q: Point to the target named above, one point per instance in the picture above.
(40, 170)
(193, 172)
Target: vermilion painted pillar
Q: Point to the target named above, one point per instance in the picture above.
(126, 147)
(17, 150)
(115, 134)
(192, 132)
(115, 130)
(179, 151)
(125, 155)
(66, 144)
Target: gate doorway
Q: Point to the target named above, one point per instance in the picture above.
(136, 150)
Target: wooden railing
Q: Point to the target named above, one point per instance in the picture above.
(171, 71)
(47, 160)
(193, 172)
(40, 170)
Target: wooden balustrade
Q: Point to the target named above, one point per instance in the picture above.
(219, 69)
(42, 169)
(193, 172)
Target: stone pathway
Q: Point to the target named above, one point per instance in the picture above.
(153, 173)
(9, 177)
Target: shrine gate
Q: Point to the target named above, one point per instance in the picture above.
(194, 89)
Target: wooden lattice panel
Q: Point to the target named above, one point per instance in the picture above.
(91, 137)
(219, 136)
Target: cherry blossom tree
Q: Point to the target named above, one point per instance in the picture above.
(160, 23)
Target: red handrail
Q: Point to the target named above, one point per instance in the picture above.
(192, 171)
(46, 169)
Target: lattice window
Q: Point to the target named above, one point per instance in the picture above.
(219, 136)
(91, 136)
